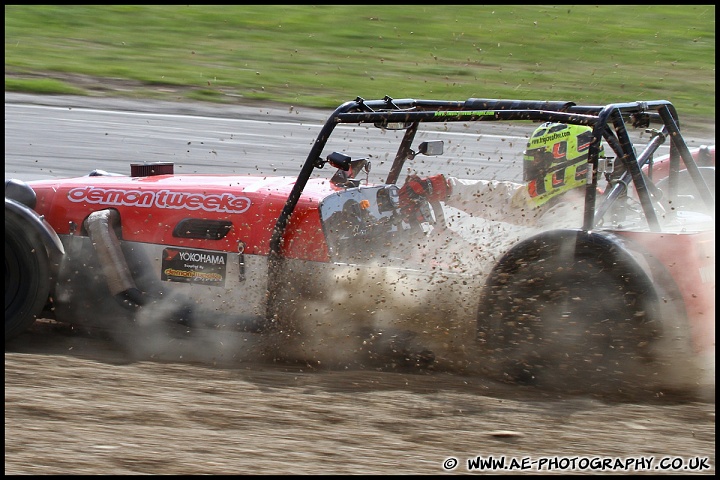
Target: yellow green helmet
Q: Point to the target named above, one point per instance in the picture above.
(555, 160)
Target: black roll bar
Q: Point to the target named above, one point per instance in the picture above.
(607, 122)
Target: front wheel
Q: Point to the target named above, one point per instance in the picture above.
(27, 276)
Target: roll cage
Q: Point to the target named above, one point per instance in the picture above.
(608, 122)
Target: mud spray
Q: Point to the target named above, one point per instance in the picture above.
(381, 316)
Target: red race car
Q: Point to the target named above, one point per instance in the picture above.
(613, 290)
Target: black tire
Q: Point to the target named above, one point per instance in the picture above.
(27, 275)
(569, 318)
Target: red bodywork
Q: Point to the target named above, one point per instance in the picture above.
(690, 260)
(151, 207)
(703, 157)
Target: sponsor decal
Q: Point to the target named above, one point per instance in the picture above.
(224, 202)
(194, 266)
(549, 138)
(468, 113)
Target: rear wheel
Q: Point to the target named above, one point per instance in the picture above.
(566, 316)
(27, 276)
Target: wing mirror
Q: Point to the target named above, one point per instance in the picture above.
(432, 149)
(348, 169)
(339, 161)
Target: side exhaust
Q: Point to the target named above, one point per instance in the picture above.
(100, 226)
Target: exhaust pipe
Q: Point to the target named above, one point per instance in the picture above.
(100, 227)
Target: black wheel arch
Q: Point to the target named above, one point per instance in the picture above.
(38, 224)
(32, 256)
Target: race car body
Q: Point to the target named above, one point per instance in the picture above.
(211, 213)
(331, 268)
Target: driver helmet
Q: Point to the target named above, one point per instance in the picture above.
(555, 160)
